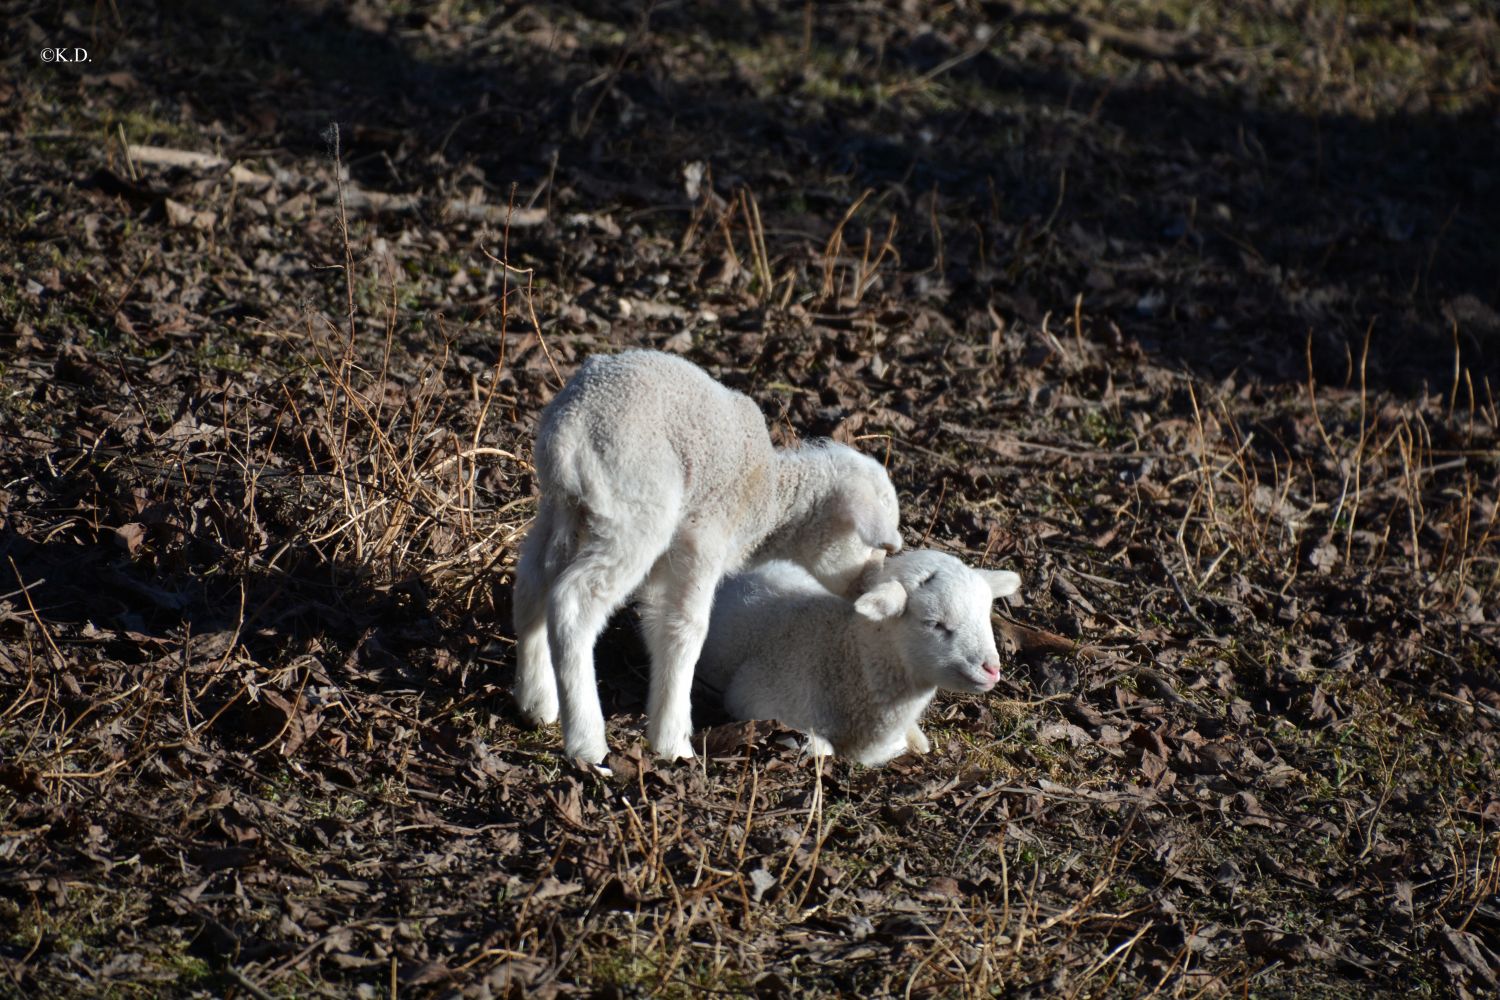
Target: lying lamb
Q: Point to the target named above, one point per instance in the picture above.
(657, 481)
(857, 676)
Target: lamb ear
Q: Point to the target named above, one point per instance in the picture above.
(1002, 582)
(883, 602)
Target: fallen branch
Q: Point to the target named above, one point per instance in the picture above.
(164, 156)
(1028, 639)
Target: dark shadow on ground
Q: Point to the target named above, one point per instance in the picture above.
(1213, 229)
(172, 599)
(166, 589)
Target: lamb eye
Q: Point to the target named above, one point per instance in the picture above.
(939, 626)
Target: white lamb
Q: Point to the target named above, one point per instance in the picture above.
(657, 481)
(854, 676)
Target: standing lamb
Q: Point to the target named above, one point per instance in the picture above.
(657, 481)
(855, 676)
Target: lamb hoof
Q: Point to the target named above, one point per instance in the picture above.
(588, 753)
(817, 746)
(590, 748)
(670, 739)
(678, 750)
(539, 711)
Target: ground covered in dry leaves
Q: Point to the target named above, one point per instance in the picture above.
(1186, 313)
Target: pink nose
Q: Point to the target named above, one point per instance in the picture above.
(991, 670)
